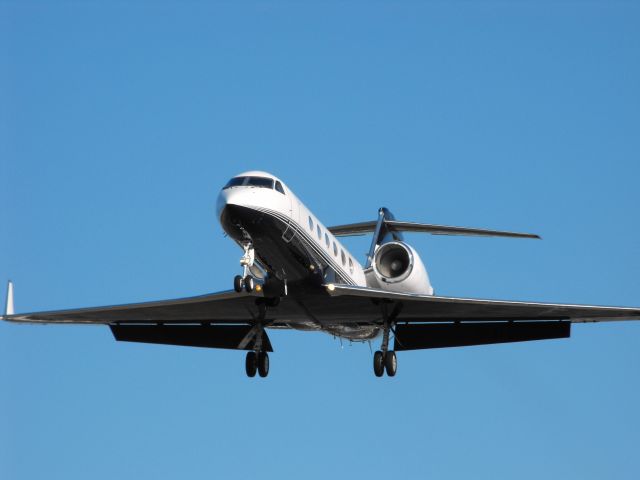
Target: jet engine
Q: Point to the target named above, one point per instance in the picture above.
(398, 268)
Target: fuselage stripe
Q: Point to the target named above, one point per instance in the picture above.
(310, 242)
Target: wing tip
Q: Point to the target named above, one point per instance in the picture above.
(9, 310)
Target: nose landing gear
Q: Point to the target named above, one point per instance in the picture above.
(246, 281)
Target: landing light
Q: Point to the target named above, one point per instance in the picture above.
(331, 287)
(258, 288)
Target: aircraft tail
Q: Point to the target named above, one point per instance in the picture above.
(387, 228)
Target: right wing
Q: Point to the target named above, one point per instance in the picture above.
(216, 308)
(218, 320)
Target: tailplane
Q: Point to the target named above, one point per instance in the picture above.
(394, 265)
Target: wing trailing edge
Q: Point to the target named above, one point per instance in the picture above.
(440, 335)
(235, 337)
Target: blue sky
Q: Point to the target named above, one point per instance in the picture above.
(120, 123)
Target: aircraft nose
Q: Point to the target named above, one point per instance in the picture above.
(227, 197)
(221, 202)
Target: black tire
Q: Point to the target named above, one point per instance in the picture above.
(249, 283)
(391, 363)
(378, 363)
(251, 364)
(238, 283)
(263, 364)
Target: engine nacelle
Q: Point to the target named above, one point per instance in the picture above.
(398, 268)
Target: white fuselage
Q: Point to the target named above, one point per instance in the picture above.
(298, 225)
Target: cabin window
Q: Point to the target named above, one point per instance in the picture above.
(350, 265)
(279, 187)
(234, 182)
(344, 259)
(326, 239)
(310, 224)
(335, 249)
(319, 233)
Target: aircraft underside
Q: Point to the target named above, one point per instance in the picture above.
(287, 259)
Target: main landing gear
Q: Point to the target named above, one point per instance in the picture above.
(246, 281)
(385, 359)
(257, 359)
(257, 362)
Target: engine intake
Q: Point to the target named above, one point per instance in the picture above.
(393, 262)
(398, 267)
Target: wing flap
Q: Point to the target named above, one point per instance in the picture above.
(207, 336)
(439, 335)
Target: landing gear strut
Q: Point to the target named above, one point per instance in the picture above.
(245, 281)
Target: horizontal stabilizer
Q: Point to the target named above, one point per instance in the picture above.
(397, 226)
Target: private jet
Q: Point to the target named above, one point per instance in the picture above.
(296, 274)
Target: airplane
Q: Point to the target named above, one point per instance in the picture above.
(297, 275)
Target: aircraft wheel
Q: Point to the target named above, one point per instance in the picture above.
(378, 363)
(249, 283)
(391, 363)
(251, 364)
(263, 364)
(238, 283)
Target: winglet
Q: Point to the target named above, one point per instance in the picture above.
(9, 306)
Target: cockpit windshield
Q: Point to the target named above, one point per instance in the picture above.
(234, 182)
(260, 182)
